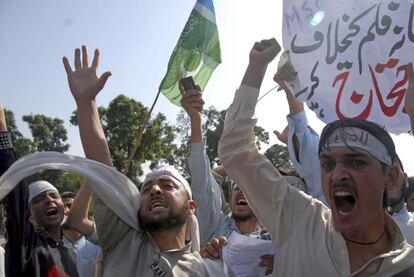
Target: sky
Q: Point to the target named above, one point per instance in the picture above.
(135, 39)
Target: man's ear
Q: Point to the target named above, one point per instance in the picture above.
(393, 173)
(31, 220)
(34, 223)
(192, 205)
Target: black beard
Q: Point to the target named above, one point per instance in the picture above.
(173, 220)
(241, 218)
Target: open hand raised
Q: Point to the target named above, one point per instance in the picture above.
(84, 82)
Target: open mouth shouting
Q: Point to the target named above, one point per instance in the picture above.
(157, 204)
(51, 211)
(344, 199)
(242, 202)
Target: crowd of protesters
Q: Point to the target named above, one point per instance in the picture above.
(350, 214)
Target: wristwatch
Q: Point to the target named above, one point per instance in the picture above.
(5, 140)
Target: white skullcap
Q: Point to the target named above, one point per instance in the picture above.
(170, 173)
(39, 187)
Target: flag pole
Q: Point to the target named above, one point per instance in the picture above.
(138, 139)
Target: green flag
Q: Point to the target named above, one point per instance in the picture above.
(197, 52)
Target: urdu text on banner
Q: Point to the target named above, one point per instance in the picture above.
(352, 57)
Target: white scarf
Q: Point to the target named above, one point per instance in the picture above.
(115, 189)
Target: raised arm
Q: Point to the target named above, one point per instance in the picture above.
(19, 229)
(206, 190)
(78, 217)
(85, 85)
(286, 72)
(302, 141)
(273, 201)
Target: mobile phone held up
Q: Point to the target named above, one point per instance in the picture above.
(188, 83)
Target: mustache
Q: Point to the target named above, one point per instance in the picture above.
(154, 198)
(345, 185)
(342, 185)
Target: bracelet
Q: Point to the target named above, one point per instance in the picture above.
(5, 140)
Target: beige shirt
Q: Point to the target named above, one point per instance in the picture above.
(128, 252)
(300, 225)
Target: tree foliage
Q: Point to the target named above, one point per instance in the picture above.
(279, 156)
(49, 134)
(22, 145)
(63, 181)
(121, 121)
(70, 181)
(11, 125)
(213, 125)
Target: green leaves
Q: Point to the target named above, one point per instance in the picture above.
(11, 125)
(279, 156)
(49, 134)
(121, 121)
(213, 129)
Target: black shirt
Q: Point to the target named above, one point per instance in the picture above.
(28, 252)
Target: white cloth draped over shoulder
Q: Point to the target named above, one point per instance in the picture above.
(115, 189)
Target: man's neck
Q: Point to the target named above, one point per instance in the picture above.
(170, 239)
(398, 207)
(55, 233)
(360, 254)
(247, 226)
(72, 235)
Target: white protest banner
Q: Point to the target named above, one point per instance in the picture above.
(351, 56)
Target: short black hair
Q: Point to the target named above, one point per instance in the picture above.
(67, 194)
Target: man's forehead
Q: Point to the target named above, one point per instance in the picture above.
(163, 179)
(50, 191)
(343, 152)
(347, 135)
(159, 180)
(356, 139)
